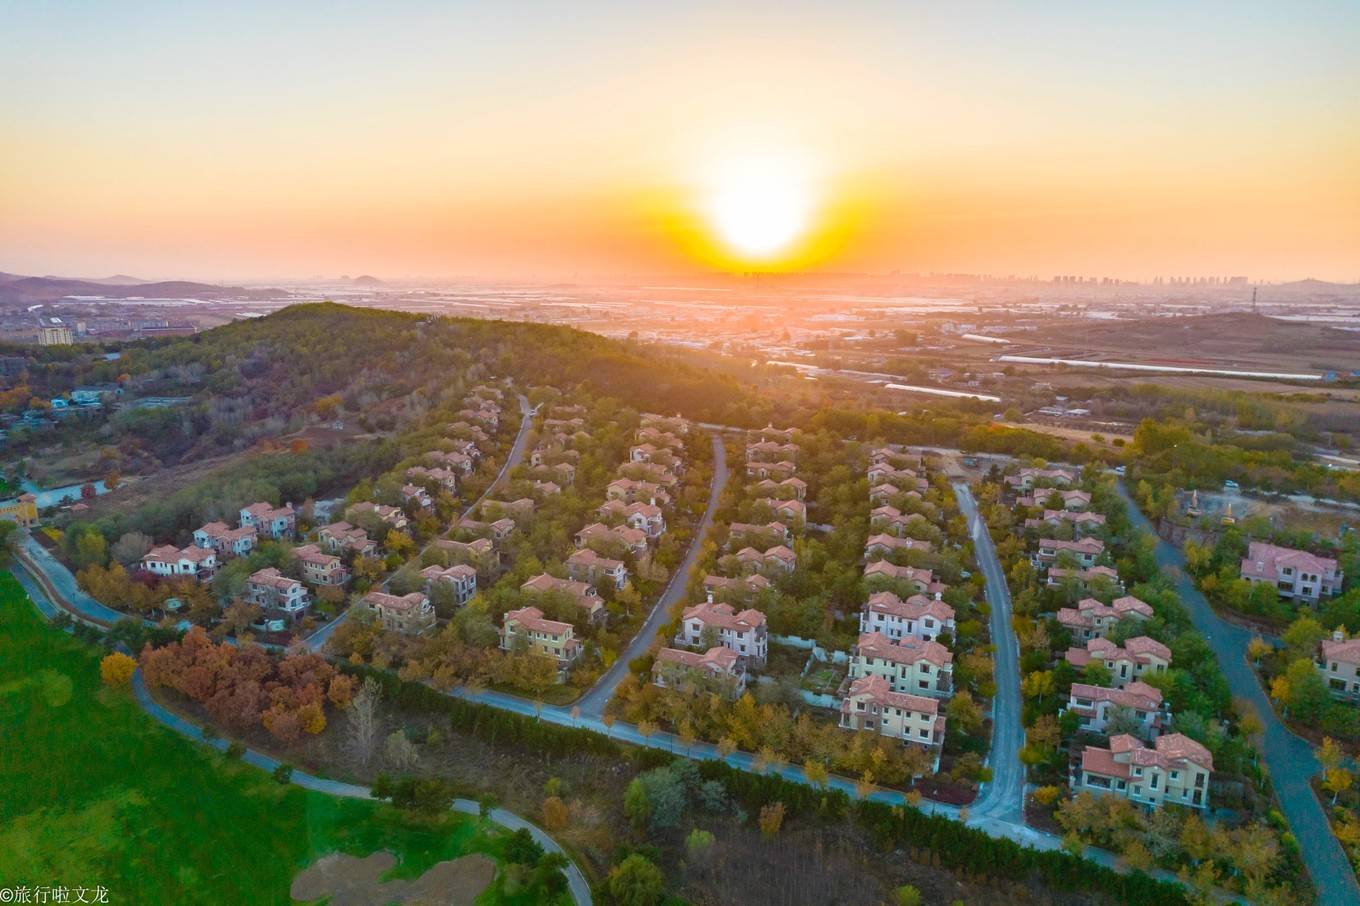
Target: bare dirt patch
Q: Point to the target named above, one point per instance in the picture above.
(352, 881)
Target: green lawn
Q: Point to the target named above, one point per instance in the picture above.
(94, 791)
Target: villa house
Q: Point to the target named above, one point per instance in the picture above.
(1295, 574)
(1176, 770)
(415, 493)
(794, 511)
(586, 598)
(912, 665)
(411, 614)
(880, 494)
(459, 461)
(1339, 664)
(919, 616)
(460, 577)
(276, 593)
(1057, 575)
(1095, 705)
(891, 520)
(881, 545)
(1029, 478)
(1140, 656)
(479, 553)
(872, 706)
(629, 538)
(922, 581)
(227, 542)
(742, 588)
(438, 476)
(393, 517)
(744, 632)
(549, 638)
(777, 559)
(341, 537)
(270, 521)
(319, 567)
(775, 470)
(1085, 552)
(585, 565)
(675, 668)
(1091, 619)
(195, 562)
(771, 533)
(770, 451)
(1082, 523)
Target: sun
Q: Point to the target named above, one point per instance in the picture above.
(760, 206)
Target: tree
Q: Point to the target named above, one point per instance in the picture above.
(634, 882)
(399, 751)
(555, 815)
(1330, 755)
(636, 804)
(1258, 648)
(907, 895)
(816, 772)
(771, 819)
(1302, 638)
(963, 713)
(362, 721)
(1337, 781)
(116, 669)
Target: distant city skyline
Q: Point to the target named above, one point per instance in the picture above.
(539, 141)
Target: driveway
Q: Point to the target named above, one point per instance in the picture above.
(1003, 798)
(1291, 760)
(593, 702)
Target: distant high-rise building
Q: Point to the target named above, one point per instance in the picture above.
(57, 335)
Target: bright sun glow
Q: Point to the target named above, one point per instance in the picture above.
(760, 205)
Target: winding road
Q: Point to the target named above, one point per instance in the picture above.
(1003, 798)
(1290, 759)
(594, 701)
(36, 583)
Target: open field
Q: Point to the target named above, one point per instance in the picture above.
(1234, 340)
(94, 792)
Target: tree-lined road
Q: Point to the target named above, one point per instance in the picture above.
(1290, 759)
(1003, 797)
(317, 640)
(594, 701)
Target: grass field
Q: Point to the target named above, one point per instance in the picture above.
(95, 792)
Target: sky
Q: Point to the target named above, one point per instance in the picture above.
(256, 141)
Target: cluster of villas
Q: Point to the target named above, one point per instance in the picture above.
(719, 642)
(1143, 760)
(901, 670)
(628, 524)
(217, 542)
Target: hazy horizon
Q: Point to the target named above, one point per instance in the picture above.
(535, 142)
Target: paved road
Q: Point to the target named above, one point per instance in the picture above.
(576, 881)
(49, 572)
(317, 640)
(1290, 759)
(593, 702)
(37, 584)
(990, 824)
(1004, 797)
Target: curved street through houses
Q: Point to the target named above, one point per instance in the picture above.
(317, 640)
(1002, 798)
(1002, 816)
(594, 701)
(1290, 759)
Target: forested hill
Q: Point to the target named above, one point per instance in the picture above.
(303, 353)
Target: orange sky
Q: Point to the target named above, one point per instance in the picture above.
(536, 141)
